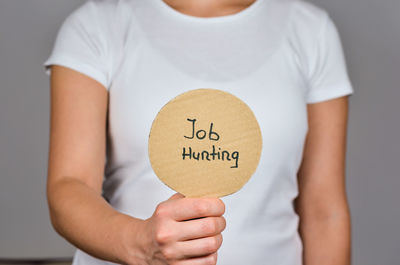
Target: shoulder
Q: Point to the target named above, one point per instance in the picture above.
(307, 26)
(91, 36)
(98, 9)
(308, 11)
(105, 21)
(102, 14)
(308, 18)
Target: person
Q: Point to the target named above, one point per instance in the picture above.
(115, 63)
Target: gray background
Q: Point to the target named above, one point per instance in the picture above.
(370, 32)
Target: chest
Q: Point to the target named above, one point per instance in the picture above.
(148, 78)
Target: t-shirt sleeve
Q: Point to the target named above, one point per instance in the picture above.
(328, 77)
(82, 45)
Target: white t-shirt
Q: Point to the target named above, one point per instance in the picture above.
(276, 55)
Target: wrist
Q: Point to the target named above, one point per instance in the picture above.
(134, 241)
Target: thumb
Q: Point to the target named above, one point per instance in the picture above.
(176, 196)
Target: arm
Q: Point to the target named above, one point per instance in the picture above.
(76, 164)
(80, 214)
(322, 203)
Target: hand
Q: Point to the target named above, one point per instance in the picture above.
(185, 231)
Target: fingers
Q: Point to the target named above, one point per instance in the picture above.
(209, 259)
(188, 230)
(193, 248)
(174, 232)
(191, 208)
(198, 228)
(199, 247)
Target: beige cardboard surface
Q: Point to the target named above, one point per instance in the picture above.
(205, 143)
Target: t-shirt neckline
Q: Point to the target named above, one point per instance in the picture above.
(196, 19)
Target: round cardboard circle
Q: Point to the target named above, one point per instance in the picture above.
(205, 143)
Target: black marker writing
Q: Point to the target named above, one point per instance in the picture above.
(211, 155)
(201, 134)
(224, 155)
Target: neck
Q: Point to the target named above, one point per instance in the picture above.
(209, 8)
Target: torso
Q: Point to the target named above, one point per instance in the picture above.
(161, 53)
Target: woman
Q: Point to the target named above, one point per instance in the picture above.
(115, 63)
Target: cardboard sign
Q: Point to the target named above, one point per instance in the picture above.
(205, 143)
